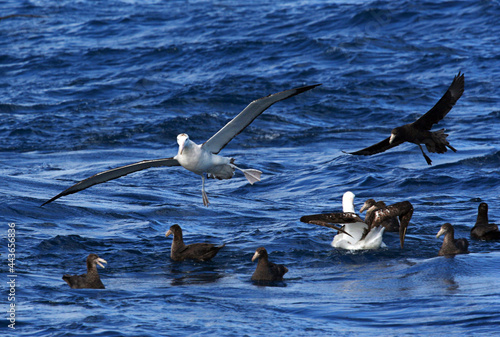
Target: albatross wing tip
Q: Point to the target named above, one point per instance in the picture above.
(308, 87)
(52, 199)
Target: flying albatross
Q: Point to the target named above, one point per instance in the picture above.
(419, 132)
(357, 233)
(201, 159)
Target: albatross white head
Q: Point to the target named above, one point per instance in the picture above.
(182, 140)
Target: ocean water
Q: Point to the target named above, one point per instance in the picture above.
(90, 85)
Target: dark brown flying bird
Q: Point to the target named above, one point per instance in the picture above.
(419, 132)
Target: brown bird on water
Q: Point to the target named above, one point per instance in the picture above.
(195, 251)
(91, 280)
(419, 132)
(266, 270)
(483, 230)
(452, 246)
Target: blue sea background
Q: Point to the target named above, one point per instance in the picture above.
(90, 85)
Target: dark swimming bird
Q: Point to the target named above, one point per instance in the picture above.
(370, 205)
(483, 230)
(451, 246)
(195, 251)
(91, 280)
(202, 159)
(358, 234)
(419, 132)
(266, 270)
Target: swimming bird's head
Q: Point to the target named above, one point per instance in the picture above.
(175, 230)
(181, 140)
(261, 252)
(447, 227)
(93, 259)
(483, 208)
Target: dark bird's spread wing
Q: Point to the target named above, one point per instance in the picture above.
(443, 106)
(330, 219)
(115, 173)
(218, 141)
(403, 210)
(434, 115)
(377, 148)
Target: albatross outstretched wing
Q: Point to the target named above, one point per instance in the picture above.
(377, 148)
(218, 141)
(443, 106)
(113, 174)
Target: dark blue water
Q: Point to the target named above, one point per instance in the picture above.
(90, 85)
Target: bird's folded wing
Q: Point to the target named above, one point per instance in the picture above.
(377, 148)
(485, 228)
(218, 141)
(115, 173)
(444, 105)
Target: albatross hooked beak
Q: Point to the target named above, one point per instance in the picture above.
(181, 140)
(368, 203)
(255, 256)
(168, 233)
(441, 232)
(391, 139)
(99, 260)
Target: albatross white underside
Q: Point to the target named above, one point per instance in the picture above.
(357, 233)
(201, 159)
(356, 230)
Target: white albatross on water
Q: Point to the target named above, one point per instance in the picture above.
(202, 159)
(357, 240)
(356, 234)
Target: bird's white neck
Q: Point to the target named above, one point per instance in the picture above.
(348, 202)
